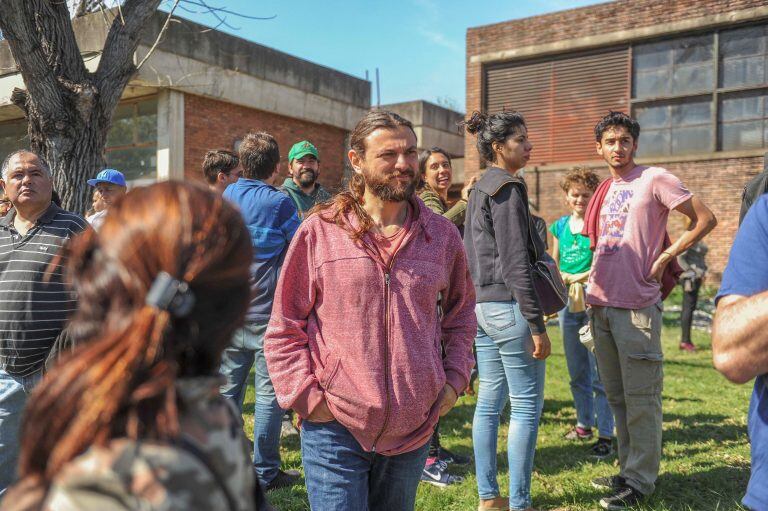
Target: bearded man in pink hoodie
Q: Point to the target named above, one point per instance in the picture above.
(370, 338)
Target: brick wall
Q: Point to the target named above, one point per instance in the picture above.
(211, 124)
(718, 183)
(576, 23)
(594, 19)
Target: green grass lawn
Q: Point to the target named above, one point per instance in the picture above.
(706, 452)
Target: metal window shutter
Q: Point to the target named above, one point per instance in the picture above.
(562, 99)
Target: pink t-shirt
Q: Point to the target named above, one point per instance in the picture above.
(633, 221)
(388, 245)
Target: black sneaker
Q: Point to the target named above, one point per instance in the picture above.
(283, 479)
(623, 498)
(602, 448)
(452, 458)
(609, 483)
(437, 474)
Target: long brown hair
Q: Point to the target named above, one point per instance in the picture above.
(351, 200)
(119, 382)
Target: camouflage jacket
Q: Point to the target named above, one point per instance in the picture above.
(153, 476)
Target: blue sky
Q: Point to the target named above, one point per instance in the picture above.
(418, 45)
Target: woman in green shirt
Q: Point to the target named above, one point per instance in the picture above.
(437, 175)
(571, 251)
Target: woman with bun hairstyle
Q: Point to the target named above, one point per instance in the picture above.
(511, 340)
(133, 418)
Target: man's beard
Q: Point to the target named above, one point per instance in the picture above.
(385, 191)
(307, 178)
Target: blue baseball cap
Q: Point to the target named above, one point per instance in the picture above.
(108, 176)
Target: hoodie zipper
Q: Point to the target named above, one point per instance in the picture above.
(386, 351)
(387, 327)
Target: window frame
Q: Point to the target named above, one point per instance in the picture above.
(715, 93)
(136, 144)
(133, 102)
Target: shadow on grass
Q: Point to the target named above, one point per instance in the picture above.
(687, 431)
(706, 487)
(688, 363)
(682, 399)
(701, 427)
(717, 488)
(559, 412)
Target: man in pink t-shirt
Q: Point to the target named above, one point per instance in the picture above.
(625, 298)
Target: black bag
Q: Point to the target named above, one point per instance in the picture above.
(549, 286)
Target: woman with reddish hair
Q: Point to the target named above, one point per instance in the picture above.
(133, 418)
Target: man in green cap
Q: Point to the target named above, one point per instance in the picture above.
(302, 185)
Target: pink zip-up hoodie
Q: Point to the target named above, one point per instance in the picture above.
(369, 337)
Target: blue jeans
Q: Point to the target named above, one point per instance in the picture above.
(588, 393)
(506, 369)
(246, 347)
(13, 396)
(340, 475)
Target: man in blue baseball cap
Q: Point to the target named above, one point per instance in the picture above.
(110, 184)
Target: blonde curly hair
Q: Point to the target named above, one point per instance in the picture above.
(582, 176)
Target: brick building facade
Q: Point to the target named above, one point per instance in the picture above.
(694, 72)
(210, 123)
(203, 89)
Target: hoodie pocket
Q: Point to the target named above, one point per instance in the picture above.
(329, 372)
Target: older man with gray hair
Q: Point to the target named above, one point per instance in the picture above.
(34, 300)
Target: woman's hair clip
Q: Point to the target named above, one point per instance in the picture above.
(170, 294)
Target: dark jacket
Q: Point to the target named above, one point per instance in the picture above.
(756, 186)
(496, 237)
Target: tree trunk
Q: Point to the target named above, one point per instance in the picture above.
(68, 108)
(73, 148)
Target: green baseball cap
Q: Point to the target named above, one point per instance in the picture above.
(302, 148)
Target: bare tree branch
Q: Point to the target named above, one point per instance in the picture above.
(159, 36)
(88, 6)
(116, 66)
(222, 10)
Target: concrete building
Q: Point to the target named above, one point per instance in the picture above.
(436, 126)
(203, 89)
(693, 72)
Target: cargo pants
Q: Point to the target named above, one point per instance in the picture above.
(629, 360)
